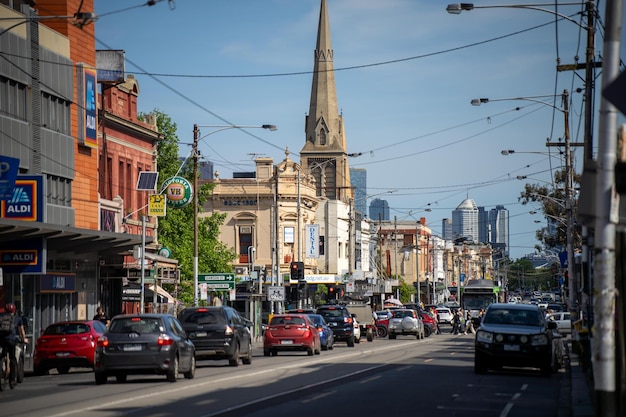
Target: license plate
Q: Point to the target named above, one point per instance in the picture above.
(132, 348)
(62, 354)
(511, 348)
(200, 334)
(286, 342)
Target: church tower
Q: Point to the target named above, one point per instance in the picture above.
(324, 153)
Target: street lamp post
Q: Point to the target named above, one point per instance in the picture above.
(196, 140)
(569, 184)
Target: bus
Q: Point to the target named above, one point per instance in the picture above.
(476, 295)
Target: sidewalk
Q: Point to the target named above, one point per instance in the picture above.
(576, 390)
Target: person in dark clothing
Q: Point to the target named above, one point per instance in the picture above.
(10, 340)
(101, 316)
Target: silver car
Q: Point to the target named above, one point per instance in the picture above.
(405, 321)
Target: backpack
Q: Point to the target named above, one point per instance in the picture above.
(6, 324)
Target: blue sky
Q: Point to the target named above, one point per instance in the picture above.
(406, 71)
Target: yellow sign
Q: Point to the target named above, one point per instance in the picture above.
(156, 206)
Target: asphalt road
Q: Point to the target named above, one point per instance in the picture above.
(432, 377)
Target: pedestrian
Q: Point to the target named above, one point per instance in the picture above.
(101, 316)
(433, 314)
(469, 326)
(456, 323)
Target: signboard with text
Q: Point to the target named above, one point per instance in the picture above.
(218, 282)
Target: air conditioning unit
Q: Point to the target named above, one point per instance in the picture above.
(241, 270)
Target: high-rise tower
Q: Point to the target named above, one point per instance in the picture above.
(324, 153)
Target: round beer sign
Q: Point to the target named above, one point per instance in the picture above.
(179, 192)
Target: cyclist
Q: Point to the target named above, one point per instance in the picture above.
(9, 339)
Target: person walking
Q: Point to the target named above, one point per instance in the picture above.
(11, 332)
(469, 323)
(101, 316)
(456, 323)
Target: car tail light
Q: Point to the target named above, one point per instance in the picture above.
(229, 331)
(103, 341)
(165, 340)
(348, 319)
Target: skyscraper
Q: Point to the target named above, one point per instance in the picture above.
(358, 179)
(499, 228)
(465, 220)
(379, 209)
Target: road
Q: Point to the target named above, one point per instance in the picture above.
(432, 377)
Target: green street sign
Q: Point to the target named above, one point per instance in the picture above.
(217, 282)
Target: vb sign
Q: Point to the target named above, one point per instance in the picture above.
(179, 192)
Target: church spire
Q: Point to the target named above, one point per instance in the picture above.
(324, 151)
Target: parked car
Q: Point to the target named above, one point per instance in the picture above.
(357, 329)
(405, 322)
(144, 344)
(340, 321)
(218, 332)
(291, 332)
(67, 344)
(562, 320)
(517, 335)
(327, 338)
(444, 315)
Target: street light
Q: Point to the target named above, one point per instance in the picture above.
(196, 139)
(569, 183)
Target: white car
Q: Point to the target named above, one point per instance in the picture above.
(444, 315)
(357, 330)
(563, 321)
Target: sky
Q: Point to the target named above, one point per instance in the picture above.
(406, 72)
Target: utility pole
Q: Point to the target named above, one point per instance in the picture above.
(569, 207)
(196, 133)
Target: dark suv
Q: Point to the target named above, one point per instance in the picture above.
(340, 321)
(218, 333)
(517, 335)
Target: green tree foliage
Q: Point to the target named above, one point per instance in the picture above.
(175, 230)
(552, 205)
(406, 291)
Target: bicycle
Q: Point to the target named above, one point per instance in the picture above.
(5, 377)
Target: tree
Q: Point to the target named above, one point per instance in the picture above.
(175, 230)
(553, 207)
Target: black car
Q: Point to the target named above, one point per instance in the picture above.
(517, 335)
(144, 344)
(218, 332)
(340, 321)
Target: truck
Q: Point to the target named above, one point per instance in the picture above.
(476, 295)
(363, 314)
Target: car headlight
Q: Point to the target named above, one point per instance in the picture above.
(484, 336)
(539, 340)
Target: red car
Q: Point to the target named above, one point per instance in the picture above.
(67, 344)
(291, 332)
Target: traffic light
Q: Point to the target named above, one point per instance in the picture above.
(297, 271)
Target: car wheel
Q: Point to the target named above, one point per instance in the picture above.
(331, 346)
(172, 374)
(427, 331)
(480, 366)
(370, 335)
(121, 378)
(191, 373)
(357, 340)
(63, 370)
(234, 359)
(247, 359)
(101, 378)
(274, 352)
(392, 335)
(266, 352)
(382, 331)
(351, 341)
(546, 369)
(310, 351)
(325, 347)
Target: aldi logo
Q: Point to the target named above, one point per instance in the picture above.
(25, 202)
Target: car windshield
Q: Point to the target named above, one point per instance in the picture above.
(63, 329)
(398, 314)
(136, 325)
(202, 317)
(331, 313)
(316, 319)
(287, 320)
(513, 316)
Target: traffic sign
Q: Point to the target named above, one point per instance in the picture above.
(218, 282)
(275, 293)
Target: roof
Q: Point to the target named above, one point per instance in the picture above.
(69, 239)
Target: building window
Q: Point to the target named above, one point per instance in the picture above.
(322, 137)
(59, 191)
(245, 240)
(55, 114)
(13, 99)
